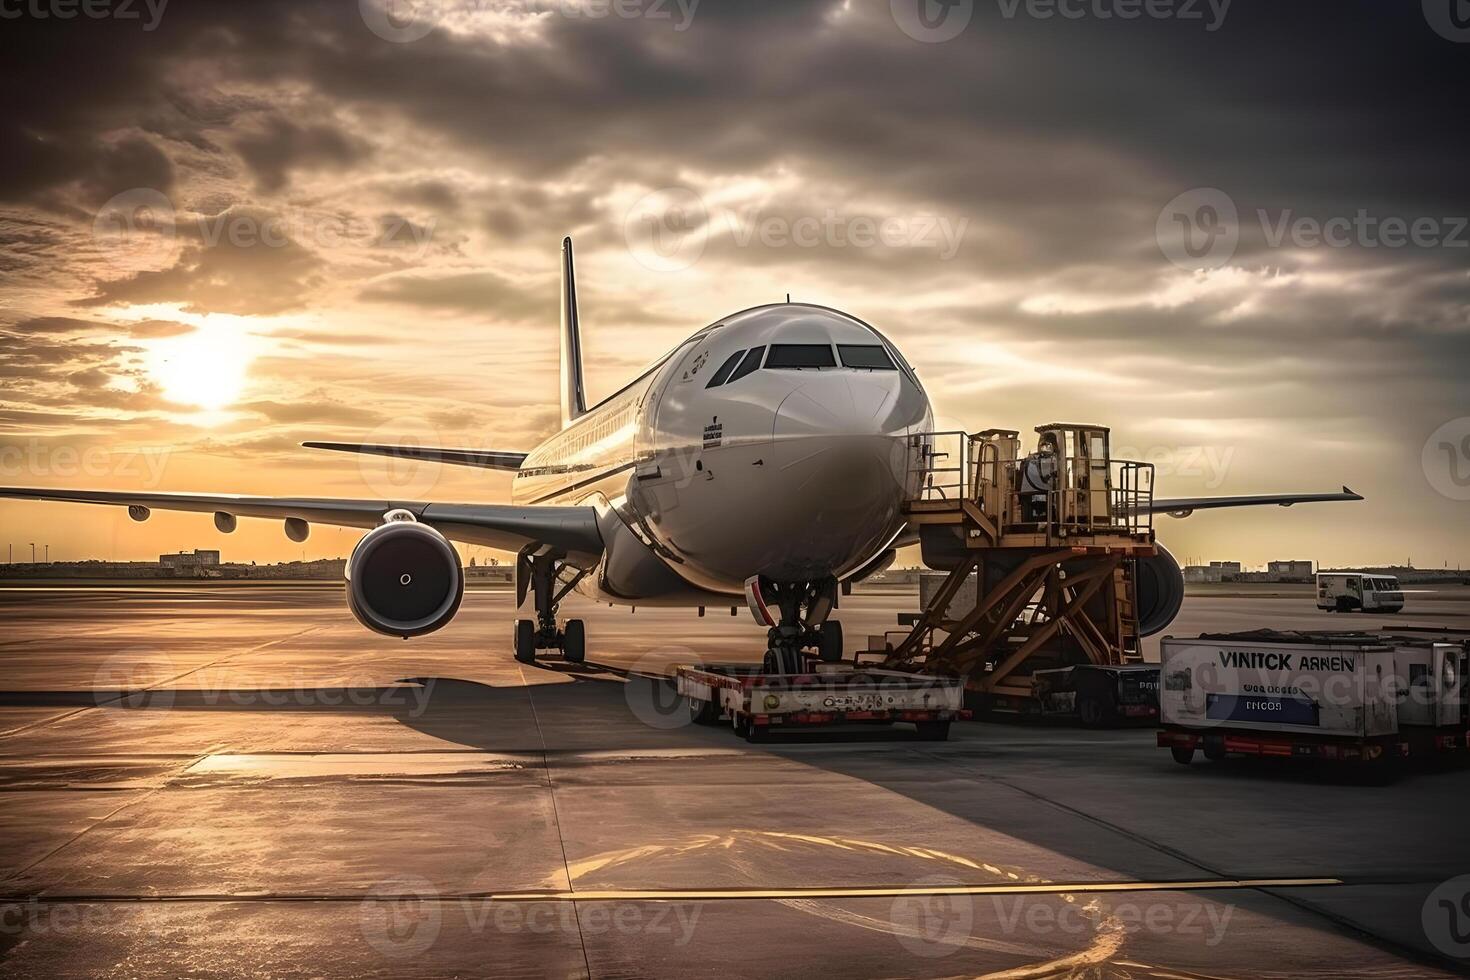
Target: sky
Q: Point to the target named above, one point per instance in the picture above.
(1234, 232)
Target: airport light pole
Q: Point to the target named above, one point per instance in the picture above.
(33, 552)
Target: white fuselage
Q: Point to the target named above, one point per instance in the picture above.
(792, 473)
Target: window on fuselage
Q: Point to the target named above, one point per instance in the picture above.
(872, 357)
(799, 356)
(750, 363)
(723, 374)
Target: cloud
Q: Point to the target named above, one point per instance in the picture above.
(244, 261)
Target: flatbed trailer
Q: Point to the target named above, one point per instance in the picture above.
(758, 704)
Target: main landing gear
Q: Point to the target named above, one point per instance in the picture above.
(543, 575)
(803, 625)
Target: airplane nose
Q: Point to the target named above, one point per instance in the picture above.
(841, 404)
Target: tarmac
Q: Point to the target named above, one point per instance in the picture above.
(214, 781)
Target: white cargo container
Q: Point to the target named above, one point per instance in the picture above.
(1341, 696)
(1340, 688)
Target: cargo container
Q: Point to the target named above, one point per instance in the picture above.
(1374, 698)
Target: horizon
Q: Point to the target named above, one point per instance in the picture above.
(276, 224)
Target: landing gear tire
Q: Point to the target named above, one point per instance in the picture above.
(525, 641)
(574, 642)
(1182, 755)
(771, 664)
(933, 731)
(829, 647)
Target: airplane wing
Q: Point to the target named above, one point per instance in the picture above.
(485, 459)
(571, 530)
(1184, 506)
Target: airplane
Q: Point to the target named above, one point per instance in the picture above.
(766, 458)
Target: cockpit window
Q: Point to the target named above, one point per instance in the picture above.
(723, 374)
(751, 362)
(801, 356)
(871, 356)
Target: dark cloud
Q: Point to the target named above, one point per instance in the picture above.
(477, 293)
(276, 146)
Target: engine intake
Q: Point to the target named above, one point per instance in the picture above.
(1159, 585)
(404, 579)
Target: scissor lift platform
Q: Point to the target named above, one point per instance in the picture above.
(1047, 544)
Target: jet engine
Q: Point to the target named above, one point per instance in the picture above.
(404, 578)
(1159, 589)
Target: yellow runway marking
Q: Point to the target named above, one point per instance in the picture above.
(724, 894)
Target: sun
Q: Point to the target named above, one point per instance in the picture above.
(205, 368)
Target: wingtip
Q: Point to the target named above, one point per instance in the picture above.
(1355, 496)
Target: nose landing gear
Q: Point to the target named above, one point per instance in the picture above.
(542, 574)
(803, 625)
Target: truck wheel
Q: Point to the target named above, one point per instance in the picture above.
(933, 731)
(703, 712)
(1344, 604)
(574, 642)
(1093, 711)
(747, 729)
(525, 641)
(1182, 755)
(830, 645)
(1215, 753)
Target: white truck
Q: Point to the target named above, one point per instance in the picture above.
(1351, 697)
(1359, 592)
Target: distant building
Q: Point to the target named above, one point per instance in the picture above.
(189, 559)
(1289, 571)
(1226, 567)
(1202, 574)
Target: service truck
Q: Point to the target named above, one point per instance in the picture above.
(1359, 592)
(1350, 697)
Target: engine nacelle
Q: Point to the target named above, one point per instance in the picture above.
(1159, 589)
(404, 579)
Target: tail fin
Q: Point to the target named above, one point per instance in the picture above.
(573, 394)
